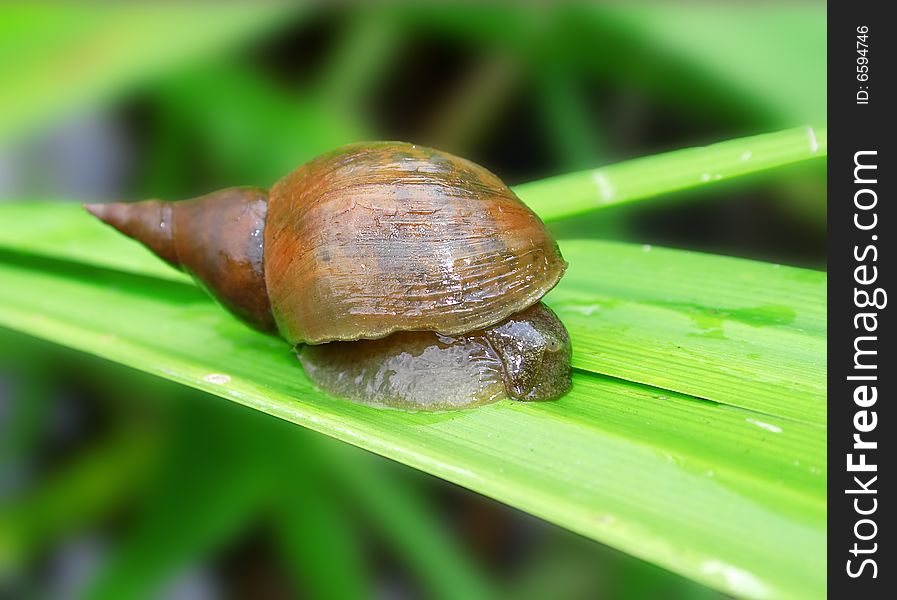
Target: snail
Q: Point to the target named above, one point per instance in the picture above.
(404, 276)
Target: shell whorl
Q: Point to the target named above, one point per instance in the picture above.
(380, 237)
(218, 239)
(150, 222)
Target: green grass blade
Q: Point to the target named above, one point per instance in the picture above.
(661, 475)
(728, 330)
(575, 193)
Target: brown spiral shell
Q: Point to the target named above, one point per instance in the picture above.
(380, 237)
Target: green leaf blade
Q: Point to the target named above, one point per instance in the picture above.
(576, 193)
(665, 476)
(729, 330)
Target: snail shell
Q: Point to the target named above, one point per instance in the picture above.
(382, 237)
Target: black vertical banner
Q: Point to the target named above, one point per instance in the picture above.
(862, 374)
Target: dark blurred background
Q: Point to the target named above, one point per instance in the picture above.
(113, 484)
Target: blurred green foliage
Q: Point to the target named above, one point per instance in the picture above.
(240, 94)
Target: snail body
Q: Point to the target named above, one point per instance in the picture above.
(368, 241)
(525, 357)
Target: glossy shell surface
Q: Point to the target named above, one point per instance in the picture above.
(219, 241)
(526, 357)
(381, 237)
